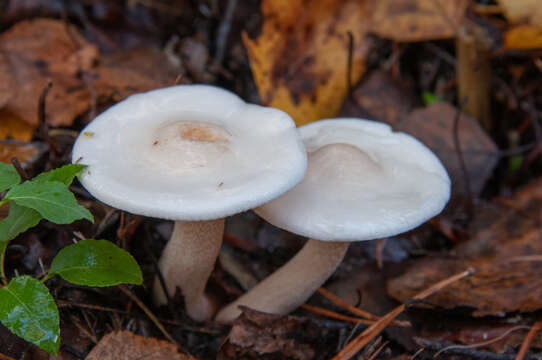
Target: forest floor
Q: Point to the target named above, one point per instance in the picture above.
(464, 77)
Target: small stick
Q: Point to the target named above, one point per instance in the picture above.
(334, 315)
(528, 339)
(371, 332)
(349, 63)
(42, 127)
(462, 163)
(19, 168)
(354, 310)
(223, 32)
(149, 313)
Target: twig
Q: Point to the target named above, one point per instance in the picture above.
(528, 339)
(42, 127)
(349, 63)
(377, 352)
(19, 168)
(466, 177)
(223, 32)
(337, 300)
(334, 315)
(481, 344)
(379, 250)
(148, 312)
(85, 331)
(371, 332)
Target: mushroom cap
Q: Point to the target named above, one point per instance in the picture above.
(189, 152)
(363, 182)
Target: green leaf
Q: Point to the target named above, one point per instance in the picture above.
(28, 310)
(19, 219)
(51, 199)
(64, 174)
(8, 176)
(96, 263)
(430, 98)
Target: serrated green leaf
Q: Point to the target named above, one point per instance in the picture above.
(96, 263)
(51, 199)
(19, 219)
(28, 310)
(8, 176)
(64, 174)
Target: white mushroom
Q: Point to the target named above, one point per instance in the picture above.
(363, 182)
(194, 154)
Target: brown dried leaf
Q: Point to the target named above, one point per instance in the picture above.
(25, 152)
(433, 125)
(122, 345)
(417, 20)
(257, 335)
(506, 257)
(131, 71)
(299, 61)
(379, 97)
(522, 11)
(38, 50)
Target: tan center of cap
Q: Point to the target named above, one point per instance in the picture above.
(184, 145)
(343, 162)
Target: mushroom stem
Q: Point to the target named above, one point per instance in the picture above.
(293, 283)
(187, 262)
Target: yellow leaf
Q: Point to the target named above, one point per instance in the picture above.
(523, 37)
(12, 126)
(300, 59)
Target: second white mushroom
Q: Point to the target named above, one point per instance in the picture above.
(363, 182)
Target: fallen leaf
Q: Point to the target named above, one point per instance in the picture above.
(506, 257)
(379, 97)
(124, 345)
(257, 335)
(12, 126)
(36, 51)
(476, 331)
(522, 11)
(417, 20)
(523, 37)
(434, 124)
(132, 71)
(299, 61)
(25, 152)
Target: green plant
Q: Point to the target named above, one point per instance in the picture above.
(26, 306)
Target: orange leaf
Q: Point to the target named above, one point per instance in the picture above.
(524, 37)
(300, 59)
(12, 126)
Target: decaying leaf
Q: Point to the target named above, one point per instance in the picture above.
(511, 333)
(379, 97)
(299, 61)
(124, 345)
(25, 152)
(506, 257)
(12, 126)
(522, 11)
(434, 126)
(131, 71)
(257, 335)
(523, 37)
(527, 15)
(417, 20)
(36, 51)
